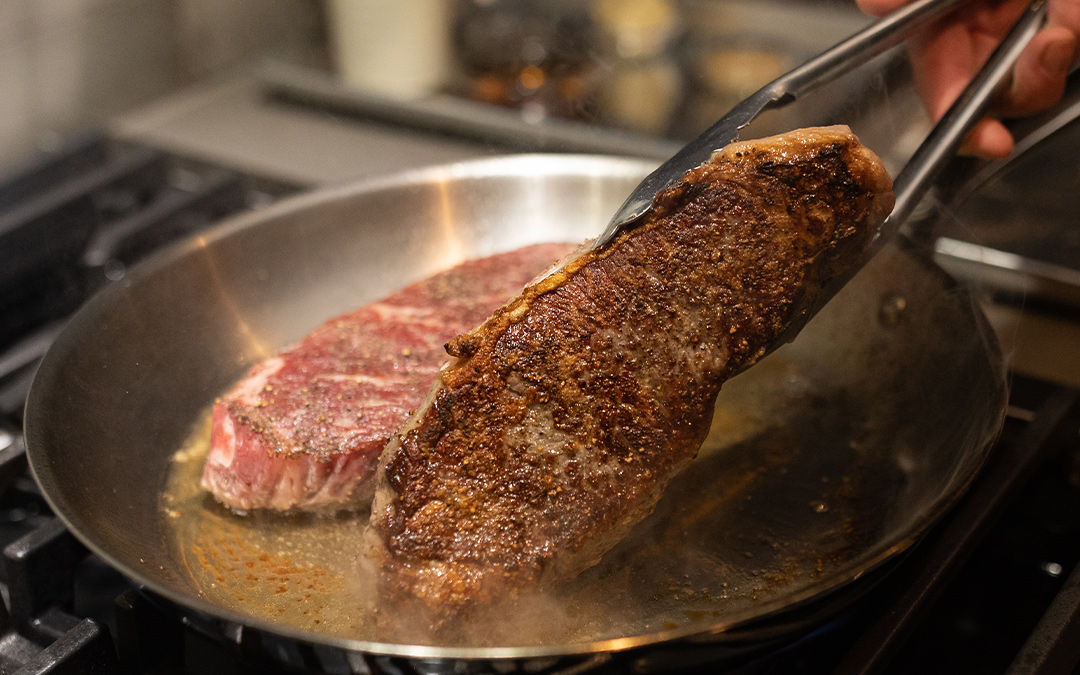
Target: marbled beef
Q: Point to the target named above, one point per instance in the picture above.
(304, 429)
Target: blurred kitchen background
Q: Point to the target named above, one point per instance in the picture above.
(66, 65)
(659, 68)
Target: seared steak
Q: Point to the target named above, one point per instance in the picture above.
(304, 429)
(565, 414)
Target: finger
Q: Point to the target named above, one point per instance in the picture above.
(944, 63)
(1040, 73)
(880, 7)
(989, 139)
(1064, 14)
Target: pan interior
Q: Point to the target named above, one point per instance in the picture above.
(825, 459)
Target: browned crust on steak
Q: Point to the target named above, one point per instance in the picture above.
(567, 412)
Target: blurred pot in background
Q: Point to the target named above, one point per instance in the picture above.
(536, 56)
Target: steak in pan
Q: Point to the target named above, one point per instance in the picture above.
(304, 429)
(562, 417)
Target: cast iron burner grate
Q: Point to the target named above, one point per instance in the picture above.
(994, 588)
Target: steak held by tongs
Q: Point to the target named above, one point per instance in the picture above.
(562, 417)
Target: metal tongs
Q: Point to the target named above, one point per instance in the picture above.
(938, 148)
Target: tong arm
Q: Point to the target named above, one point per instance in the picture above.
(939, 147)
(948, 134)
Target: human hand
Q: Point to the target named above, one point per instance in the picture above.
(948, 54)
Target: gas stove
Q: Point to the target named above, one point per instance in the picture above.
(993, 588)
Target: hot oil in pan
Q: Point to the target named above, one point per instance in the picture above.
(288, 569)
(791, 486)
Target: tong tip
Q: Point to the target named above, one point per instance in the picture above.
(628, 215)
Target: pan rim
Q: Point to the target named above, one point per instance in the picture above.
(531, 164)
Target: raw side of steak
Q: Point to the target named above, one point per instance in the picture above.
(304, 429)
(564, 415)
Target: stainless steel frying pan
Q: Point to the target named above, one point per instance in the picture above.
(827, 459)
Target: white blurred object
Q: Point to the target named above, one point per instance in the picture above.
(399, 48)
